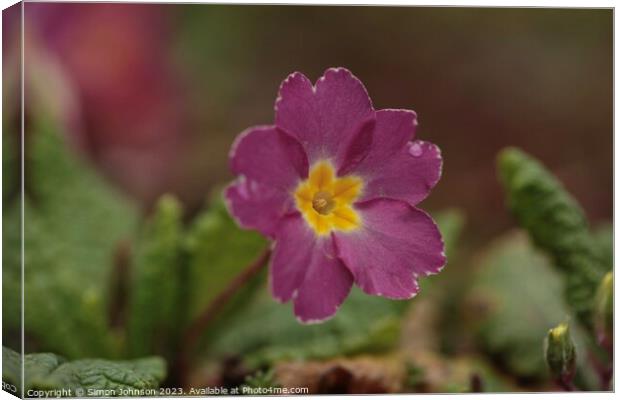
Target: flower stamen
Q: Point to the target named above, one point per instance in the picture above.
(326, 201)
(323, 203)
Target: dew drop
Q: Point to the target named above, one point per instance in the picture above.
(415, 149)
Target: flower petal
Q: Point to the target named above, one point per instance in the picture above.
(257, 206)
(305, 268)
(326, 285)
(292, 255)
(396, 244)
(395, 167)
(267, 155)
(325, 117)
(358, 148)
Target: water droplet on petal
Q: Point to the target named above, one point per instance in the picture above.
(415, 149)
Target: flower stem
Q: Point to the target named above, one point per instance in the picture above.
(567, 385)
(196, 329)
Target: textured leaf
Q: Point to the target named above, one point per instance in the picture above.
(267, 331)
(46, 371)
(155, 282)
(73, 222)
(604, 241)
(556, 224)
(514, 301)
(11, 367)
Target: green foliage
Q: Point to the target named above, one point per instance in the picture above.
(154, 309)
(47, 371)
(556, 224)
(451, 223)
(515, 298)
(604, 242)
(414, 375)
(10, 165)
(177, 272)
(437, 374)
(73, 221)
(261, 379)
(267, 331)
(218, 250)
(12, 369)
(11, 269)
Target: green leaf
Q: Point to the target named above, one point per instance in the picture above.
(12, 368)
(433, 373)
(261, 379)
(267, 331)
(451, 223)
(604, 242)
(11, 182)
(515, 298)
(73, 222)
(154, 308)
(11, 272)
(218, 250)
(47, 371)
(556, 223)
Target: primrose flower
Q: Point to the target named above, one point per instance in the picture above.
(334, 183)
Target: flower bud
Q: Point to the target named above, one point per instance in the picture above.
(560, 353)
(603, 310)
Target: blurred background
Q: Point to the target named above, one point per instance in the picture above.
(152, 96)
(156, 93)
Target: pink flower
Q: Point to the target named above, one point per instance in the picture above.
(335, 183)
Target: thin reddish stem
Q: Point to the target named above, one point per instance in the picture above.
(194, 332)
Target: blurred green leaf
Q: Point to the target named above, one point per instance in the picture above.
(73, 221)
(267, 331)
(604, 241)
(556, 223)
(261, 379)
(434, 373)
(515, 298)
(217, 250)
(451, 223)
(10, 164)
(154, 309)
(11, 269)
(47, 371)
(12, 368)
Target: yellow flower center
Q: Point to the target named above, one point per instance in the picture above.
(326, 201)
